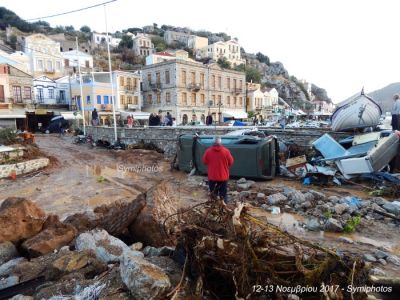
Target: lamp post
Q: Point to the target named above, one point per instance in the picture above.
(219, 112)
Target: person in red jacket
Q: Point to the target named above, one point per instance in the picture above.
(218, 160)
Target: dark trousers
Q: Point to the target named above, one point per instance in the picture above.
(219, 189)
(396, 122)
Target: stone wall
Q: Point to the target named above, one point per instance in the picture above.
(23, 167)
(165, 138)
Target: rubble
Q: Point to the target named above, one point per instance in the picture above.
(143, 279)
(107, 248)
(53, 237)
(19, 219)
(7, 252)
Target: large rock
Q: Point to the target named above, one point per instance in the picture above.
(82, 262)
(143, 279)
(149, 227)
(333, 225)
(317, 195)
(276, 199)
(296, 196)
(8, 267)
(20, 219)
(9, 281)
(313, 225)
(340, 208)
(54, 236)
(393, 208)
(7, 252)
(108, 249)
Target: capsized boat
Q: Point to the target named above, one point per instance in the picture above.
(359, 112)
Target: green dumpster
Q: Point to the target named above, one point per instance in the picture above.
(254, 157)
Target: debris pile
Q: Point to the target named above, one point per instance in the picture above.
(228, 254)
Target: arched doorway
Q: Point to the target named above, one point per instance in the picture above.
(184, 119)
(203, 118)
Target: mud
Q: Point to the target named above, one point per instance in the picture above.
(84, 178)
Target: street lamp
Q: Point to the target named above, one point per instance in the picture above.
(219, 111)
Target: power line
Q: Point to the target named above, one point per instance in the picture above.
(71, 11)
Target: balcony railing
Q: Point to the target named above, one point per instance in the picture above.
(156, 86)
(194, 86)
(236, 91)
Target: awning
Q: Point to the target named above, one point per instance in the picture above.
(137, 115)
(239, 114)
(70, 115)
(12, 114)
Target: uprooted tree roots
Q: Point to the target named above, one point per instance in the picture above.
(234, 255)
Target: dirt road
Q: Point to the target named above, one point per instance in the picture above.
(85, 178)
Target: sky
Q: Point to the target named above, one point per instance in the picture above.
(339, 45)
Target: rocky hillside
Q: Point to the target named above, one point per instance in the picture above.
(259, 68)
(383, 96)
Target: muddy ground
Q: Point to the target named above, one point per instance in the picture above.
(81, 178)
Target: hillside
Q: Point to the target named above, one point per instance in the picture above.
(383, 96)
(258, 68)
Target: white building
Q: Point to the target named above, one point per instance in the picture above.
(17, 59)
(71, 59)
(230, 50)
(101, 39)
(45, 90)
(44, 55)
(142, 45)
(63, 90)
(271, 97)
(159, 57)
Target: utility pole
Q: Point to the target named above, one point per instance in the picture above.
(81, 89)
(111, 80)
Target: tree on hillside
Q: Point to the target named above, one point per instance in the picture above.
(263, 58)
(134, 30)
(224, 63)
(159, 43)
(13, 41)
(69, 28)
(252, 74)
(8, 17)
(85, 29)
(126, 42)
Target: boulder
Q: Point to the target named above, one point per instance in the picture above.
(393, 208)
(369, 257)
(136, 246)
(244, 195)
(241, 180)
(83, 262)
(149, 227)
(169, 267)
(143, 279)
(7, 252)
(377, 272)
(393, 259)
(8, 267)
(246, 185)
(20, 219)
(276, 198)
(333, 199)
(313, 225)
(309, 197)
(54, 236)
(317, 195)
(333, 225)
(260, 196)
(340, 208)
(380, 254)
(382, 261)
(296, 197)
(306, 204)
(9, 281)
(107, 248)
(163, 251)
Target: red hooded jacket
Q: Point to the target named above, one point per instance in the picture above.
(218, 160)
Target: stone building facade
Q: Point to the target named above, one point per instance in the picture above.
(191, 90)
